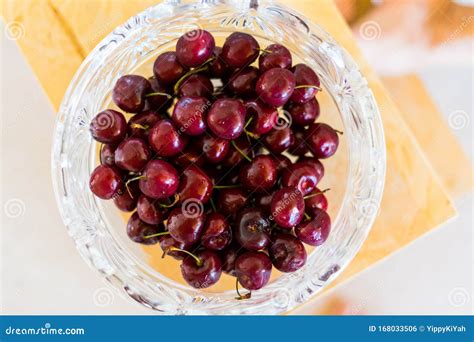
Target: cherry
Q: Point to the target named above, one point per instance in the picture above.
(252, 229)
(228, 257)
(196, 86)
(129, 93)
(315, 231)
(278, 140)
(107, 154)
(167, 68)
(108, 127)
(132, 154)
(161, 100)
(215, 149)
(253, 270)
(140, 124)
(322, 140)
(195, 47)
(189, 114)
(282, 162)
(303, 114)
(231, 200)
(159, 180)
(240, 50)
(264, 201)
(242, 82)
(276, 86)
(190, 156)
(260, 174)
(287, 207)
(217, 68)
(263, 117)
(165, 139)
(127, 200)
(274, 56)
(141, 232)
(307, 83)
(226, 118)
(203, 273)
(149, 210)
(173, 248)
(194, 184)
(217, 234)
(184, 226)
(302, 176)
(299, 147)
(315, 200)
(105, 182)
(287, 253)
(315, 163)
(234, 156)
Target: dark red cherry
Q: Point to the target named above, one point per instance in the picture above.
(167, 69)
(287, 253)
(287, 207)
(189, 114)
(139, 125)
(109, 127)
(302, 176)
(127, 200)
(242, 82)
(278, 140)
(107, 154)
(195, 47)
(194, 184)
(191, 155)
(228, 257)
(252, 229)
(139, 231)
(234, 157)
(240, 50)
(253, 270)
(217, 68)
(304, 76)
(299, 147)
(203, 274)
(303, 114)
(196, 86)
(315, 231)
(217, 234)
(315, 163)
(159, 101)
(282, 162)
(166, 244)
(263, 117)
(230, 201)
(129, 93)
(315, 201)
(186, 225)
(149, 210)
(274, 56)
(215, 149)
(226, 118)
(276, 86)
(165, 139)
(105, 182)
(160, 180)
(264, 201)
(132, 154)
(322, 140)
(260, 174)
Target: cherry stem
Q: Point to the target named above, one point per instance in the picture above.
(227, 186)
(240, 296)
(308, 86)
(159, 93)
(248, 122)
(132, 180)
(339, 132)
(265, 51)
(155, 235)
(198, 261)
(203, 67)
(135, 125)
(306, 216)
(317, 193)
(240, 151)
(175, 200)
(213, 205)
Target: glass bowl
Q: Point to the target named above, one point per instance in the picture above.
(98, 230)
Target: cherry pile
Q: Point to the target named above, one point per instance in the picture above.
(219, 160)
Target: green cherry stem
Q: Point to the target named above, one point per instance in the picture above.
(240, 296)
(227, 186)
(240, 151)
(172, 248)
(318, 193)
(308, 86)
(306, 216)
(213, 205)
(156, 235)
(175, 200)
(159, 94)
(203, 67)
(132, 180)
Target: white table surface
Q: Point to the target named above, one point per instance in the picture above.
(41, 272)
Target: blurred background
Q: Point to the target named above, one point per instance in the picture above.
(421, 50)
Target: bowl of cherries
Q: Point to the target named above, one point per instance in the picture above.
(223, 158)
